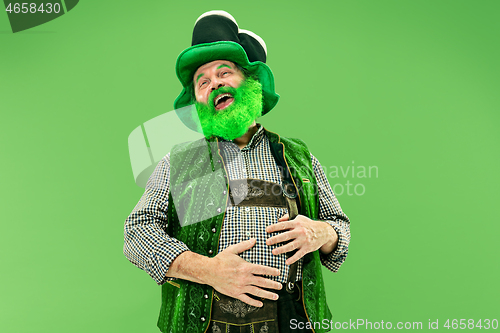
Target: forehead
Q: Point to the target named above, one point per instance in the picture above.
(211, 66)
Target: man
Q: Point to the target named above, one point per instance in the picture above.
(211, 228)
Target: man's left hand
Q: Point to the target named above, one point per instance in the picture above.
(304, 235)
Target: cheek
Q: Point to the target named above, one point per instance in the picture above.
(238, 81)
(200, 97)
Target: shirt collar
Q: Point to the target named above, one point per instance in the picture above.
(254, 141)
(256, 138)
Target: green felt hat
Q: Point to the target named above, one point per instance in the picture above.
(216, 36)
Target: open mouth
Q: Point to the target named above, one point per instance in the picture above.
(222, 101)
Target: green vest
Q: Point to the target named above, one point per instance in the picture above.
(198, 183)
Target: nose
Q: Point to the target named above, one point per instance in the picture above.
(216, 84)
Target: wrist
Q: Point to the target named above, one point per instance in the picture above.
(190, 266)
(332, 240)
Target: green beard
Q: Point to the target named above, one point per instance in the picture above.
(233, 121)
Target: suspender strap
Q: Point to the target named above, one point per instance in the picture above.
(291, 201)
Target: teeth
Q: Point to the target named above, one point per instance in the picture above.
(221, 96)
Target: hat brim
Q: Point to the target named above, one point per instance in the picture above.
(195, 56)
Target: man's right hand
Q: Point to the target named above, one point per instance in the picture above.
(233, 276)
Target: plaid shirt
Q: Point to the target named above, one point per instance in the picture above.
(149, 247)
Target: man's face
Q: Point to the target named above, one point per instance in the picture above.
(227, 103)
(214, 75)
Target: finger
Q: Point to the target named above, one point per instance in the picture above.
(299, 254)
(247, 299)
(280, 226)
(266, 283)
(242, 246)
(289, 247)
(286, 236)
(261, 293)
(264, 270)
(284, 218)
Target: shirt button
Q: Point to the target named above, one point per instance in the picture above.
(247, 209)
(225, 192)
(203, 319)
(206, 296)
(219, 210)
(210, 252)
(218, 161)
(214, 230)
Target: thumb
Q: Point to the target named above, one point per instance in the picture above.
(283, 218)
(243, 246)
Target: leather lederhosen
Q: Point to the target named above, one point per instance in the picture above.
(232, 315)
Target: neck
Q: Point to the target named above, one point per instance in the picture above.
(243, 140)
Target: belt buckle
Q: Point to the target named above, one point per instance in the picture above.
(289, 191)
(290, 288)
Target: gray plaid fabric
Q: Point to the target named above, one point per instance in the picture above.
(148, 246)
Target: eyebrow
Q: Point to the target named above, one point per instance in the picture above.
(221, 66)
(224, 65)
(199, 77)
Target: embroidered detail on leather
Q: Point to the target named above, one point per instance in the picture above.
(246, 192)
(216, 329)
(256, 193)
(237, 308)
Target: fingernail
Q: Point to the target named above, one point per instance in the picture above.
(275, 296)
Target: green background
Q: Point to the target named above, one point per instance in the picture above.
(411, 87)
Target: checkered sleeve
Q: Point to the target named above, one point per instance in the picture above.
(147, 245)
(330, 212)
